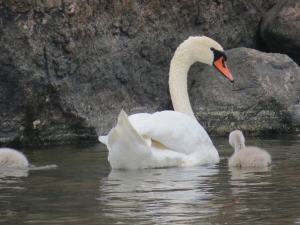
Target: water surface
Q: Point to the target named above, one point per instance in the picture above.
(82, 189)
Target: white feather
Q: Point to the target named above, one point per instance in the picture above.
(181, 143)
(12, 158)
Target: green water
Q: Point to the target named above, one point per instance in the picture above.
(82, 189)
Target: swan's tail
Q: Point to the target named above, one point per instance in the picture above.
(127, 148)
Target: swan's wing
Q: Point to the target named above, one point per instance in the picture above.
(103, 139)
(127, 148)
(172, 129)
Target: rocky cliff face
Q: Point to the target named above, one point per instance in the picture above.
(68, 67)
(264, 99)
(280, 28)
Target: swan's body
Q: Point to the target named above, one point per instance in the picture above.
(249, 156)
(12, 158)
(168, 138)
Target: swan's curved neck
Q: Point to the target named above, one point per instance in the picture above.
(179, 68)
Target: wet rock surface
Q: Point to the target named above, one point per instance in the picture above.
(280, 28)
(264, 99)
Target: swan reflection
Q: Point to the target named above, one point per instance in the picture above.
(240, 173)
(13, 172)
(242, 178)
(159, 195)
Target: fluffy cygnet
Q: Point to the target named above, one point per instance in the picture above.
(12, 158)
(246, 156)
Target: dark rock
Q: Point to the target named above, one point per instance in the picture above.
(67, 68)
(280, 28)
(264, 99)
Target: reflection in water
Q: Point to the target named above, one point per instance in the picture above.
(53, 166)
(14, 192)
(70, 193)
(13, 172)
(261, 194)
(243, 174)
(243, 177)
(158, 195)
(21, 171)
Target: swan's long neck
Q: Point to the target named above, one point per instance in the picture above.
(179, 68)
(239, 144)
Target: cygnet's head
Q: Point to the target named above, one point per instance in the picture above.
(12, 158)
(237, 140)
(205, 50)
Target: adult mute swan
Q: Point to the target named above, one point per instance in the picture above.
(12, 158)
(249, 156)
(169, 138)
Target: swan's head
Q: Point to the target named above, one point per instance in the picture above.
(205, 50)
(237, 140)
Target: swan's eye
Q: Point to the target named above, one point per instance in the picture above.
(223, 63)
(218, 55)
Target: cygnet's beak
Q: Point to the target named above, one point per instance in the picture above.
(221, 65)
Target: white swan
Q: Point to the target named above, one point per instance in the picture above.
(12, 158)
(168, 138)
(249, 156)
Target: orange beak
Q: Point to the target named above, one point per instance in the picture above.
(221, 65)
